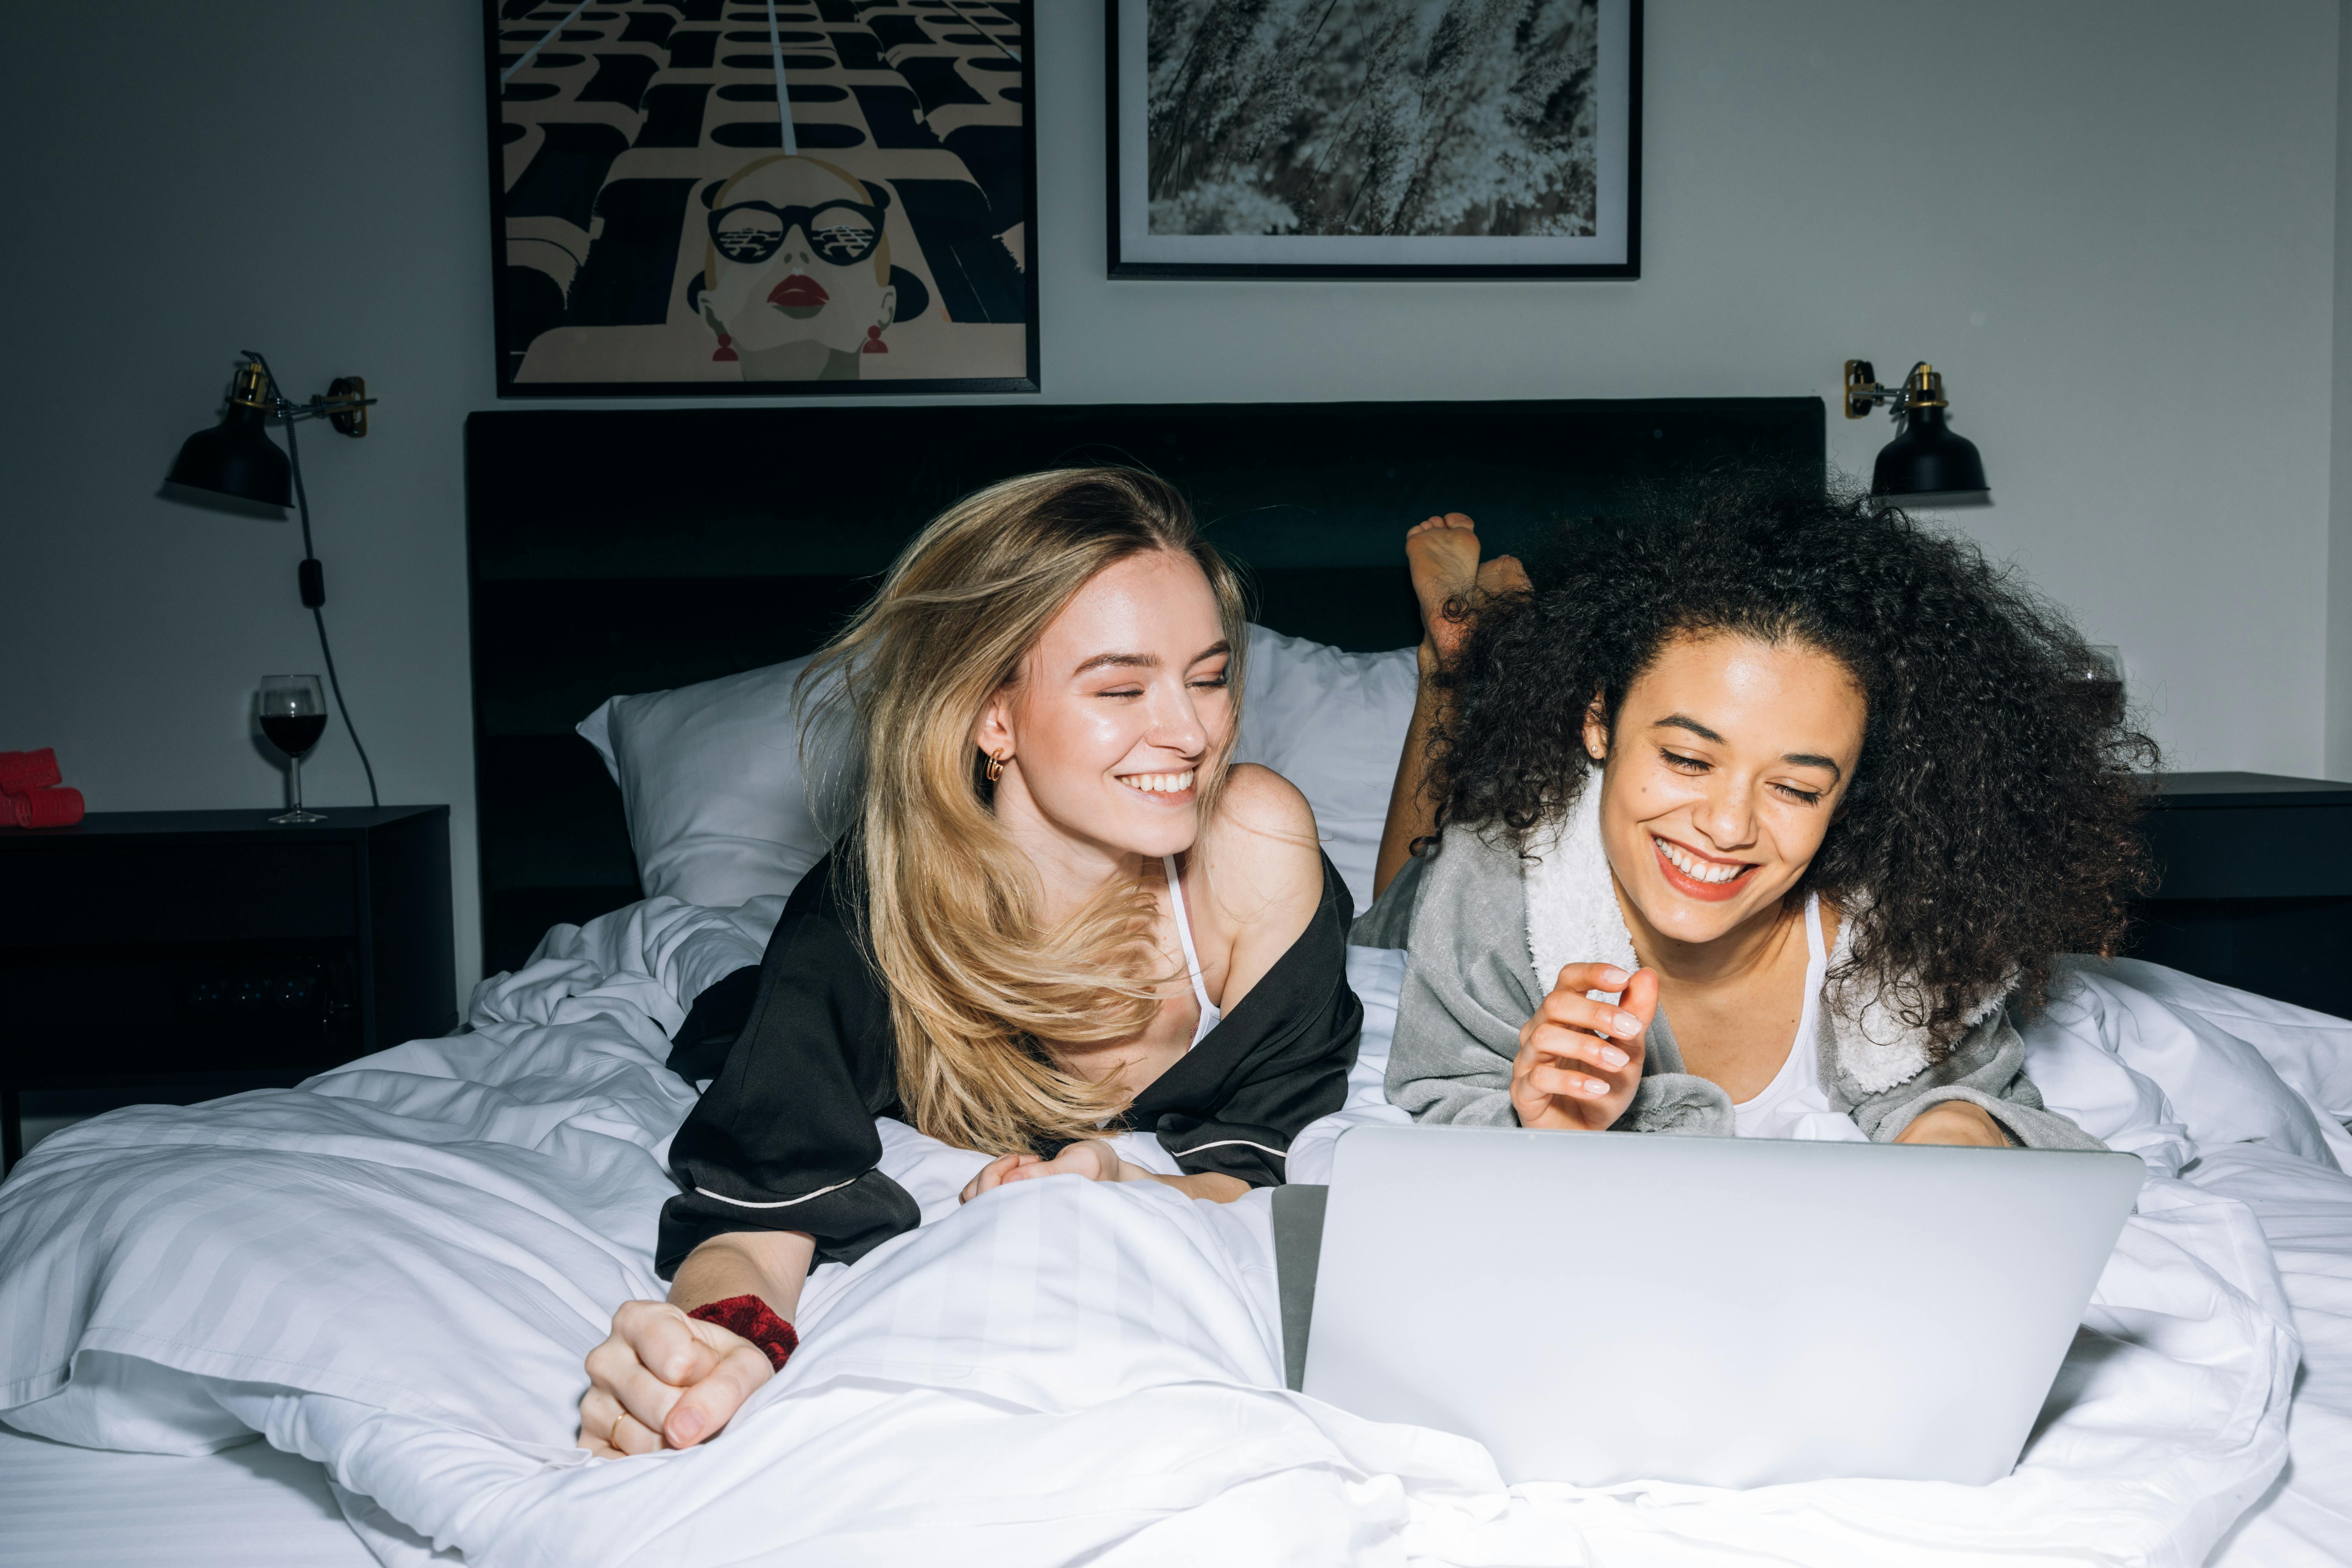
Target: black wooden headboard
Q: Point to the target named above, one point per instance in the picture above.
(626, 552)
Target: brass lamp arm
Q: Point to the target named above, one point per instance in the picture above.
(340, 407)
(344, 405)
(1923, 388)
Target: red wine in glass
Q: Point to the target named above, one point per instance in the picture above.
(294, 733)
(293, 711)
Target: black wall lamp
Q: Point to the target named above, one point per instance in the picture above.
(1927, 464)
(237, 458)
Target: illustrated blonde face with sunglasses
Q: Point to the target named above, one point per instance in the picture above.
(796, 271)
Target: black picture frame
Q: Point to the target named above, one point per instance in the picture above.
(1133, 255)
(644, 132)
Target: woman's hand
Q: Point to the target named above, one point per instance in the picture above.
(1090, 1157)
(1580, 1059)
(1956, 1121)
(663, 1380)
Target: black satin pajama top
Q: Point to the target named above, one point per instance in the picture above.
(803, 1057)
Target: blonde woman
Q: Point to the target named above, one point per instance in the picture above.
(1059, 911)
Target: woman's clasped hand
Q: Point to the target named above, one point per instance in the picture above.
(665, 1380)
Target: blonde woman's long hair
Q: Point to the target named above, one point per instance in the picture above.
(978, 986)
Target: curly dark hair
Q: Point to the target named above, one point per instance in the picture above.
(1992, 822)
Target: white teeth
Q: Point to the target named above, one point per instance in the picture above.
(1697, 869)
(1160, 784)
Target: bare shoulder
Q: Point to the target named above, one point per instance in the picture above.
(1262, 851)
(1263, 873)
(1260, 812)
(1257, 800)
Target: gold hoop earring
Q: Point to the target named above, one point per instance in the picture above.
(995, 767)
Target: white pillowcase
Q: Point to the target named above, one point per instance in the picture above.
(712, 781)
(1333, 723)
(720, 812)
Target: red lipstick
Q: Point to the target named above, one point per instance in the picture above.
(1690, 886)
(798, 292)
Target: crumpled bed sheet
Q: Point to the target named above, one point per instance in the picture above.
(396, 1270)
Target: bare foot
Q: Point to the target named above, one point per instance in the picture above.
(1503, 575)
(1443, 555)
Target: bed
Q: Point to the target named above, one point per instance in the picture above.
(389, 1274)
(250, 1505)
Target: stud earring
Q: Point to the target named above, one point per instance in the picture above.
(874, 344)
(726, 349)
(995, 767)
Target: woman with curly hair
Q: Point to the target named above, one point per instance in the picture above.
(1817, 785)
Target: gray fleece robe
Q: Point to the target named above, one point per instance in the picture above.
(1486, 934)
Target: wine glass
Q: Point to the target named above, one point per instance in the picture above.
(294, 715)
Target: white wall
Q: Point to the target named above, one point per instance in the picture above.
(306, 180)
(2339, 723)
(2112, 223)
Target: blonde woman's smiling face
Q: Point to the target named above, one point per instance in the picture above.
(1730, 760)
(1122, 712)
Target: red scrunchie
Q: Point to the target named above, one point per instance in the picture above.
(756, 1322)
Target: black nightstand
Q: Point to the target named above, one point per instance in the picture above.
(2257, 885)
(212, 950)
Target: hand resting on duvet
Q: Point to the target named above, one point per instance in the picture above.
(665, 1380)
(1096, 1162)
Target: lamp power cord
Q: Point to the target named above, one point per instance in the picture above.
(312, 578)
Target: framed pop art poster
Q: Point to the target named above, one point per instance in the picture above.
(704, 197)
(1375, 138)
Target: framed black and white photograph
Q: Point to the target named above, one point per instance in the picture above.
(1375, 138)
(763, 197)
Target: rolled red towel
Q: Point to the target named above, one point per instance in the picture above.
(23, 771)
(52, 805)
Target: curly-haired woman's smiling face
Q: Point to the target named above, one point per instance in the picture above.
(1729, 764)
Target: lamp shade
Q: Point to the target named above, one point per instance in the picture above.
(1928, 460)
(237, 457)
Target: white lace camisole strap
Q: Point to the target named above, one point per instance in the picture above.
(1209, 1013)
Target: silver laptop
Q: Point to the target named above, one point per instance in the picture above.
(1597, 1308)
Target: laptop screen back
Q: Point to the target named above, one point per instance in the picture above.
(1598, 1308)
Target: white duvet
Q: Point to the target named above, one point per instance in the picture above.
(396, 1268)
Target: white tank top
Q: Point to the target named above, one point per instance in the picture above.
(1793, 1104)
(1209, 1013)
